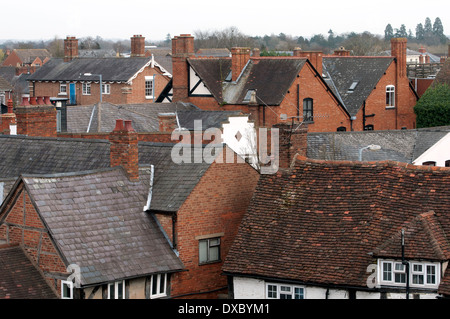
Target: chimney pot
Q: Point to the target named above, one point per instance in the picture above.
(10, 106)
(25, 101)
(47, 100)
(33, 101)
(40, 100)
(119, 126)
(128, 126)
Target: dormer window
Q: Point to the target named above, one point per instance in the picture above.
(248, 96)
(421, 274)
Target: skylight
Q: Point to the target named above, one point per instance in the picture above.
(352, 87)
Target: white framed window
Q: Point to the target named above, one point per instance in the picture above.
(158, 286)
(421, 274)
(282, 291)
(87, 88)
(209, 250)
(63, 88)
(106, 88)
(149, 87)
(66, 289)
(116, 290)
(390, 96)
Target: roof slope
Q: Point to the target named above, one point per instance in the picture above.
(98, 223)
(29, 55)
(111, 69)
(319, 222)
(19, 277)
(342, 72)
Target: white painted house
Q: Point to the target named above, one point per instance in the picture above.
(436, 155)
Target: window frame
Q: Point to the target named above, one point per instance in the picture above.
(276, 293)
(106, 89)
(390, 96)
(86, 88)
(61, 91)
(65, 283)
(209, 246)
(149, 79)
(116, 289)
(159, 293)
(414, 274)
(308, 110)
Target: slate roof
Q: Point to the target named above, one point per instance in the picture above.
(270, 77)
(321, 222)
(143, 116)
(97, 221)
(396, 145)
(341, 72)
(20, 278)
(29, 55)
(5, 85)
(112, 69)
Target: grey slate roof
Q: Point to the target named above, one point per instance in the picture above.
(143, 116)
(341, 72)
(20, 278)
(112, 69)
(396, 145)
(29, 55)
(98, 223)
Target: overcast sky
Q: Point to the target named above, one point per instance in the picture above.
(114, 19)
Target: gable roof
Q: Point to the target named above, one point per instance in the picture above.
(111, 69)
(342, 72)
(97, 222)
(396, 145)
(20, 278)
(270, 77)
(29, 55)
(319, 222)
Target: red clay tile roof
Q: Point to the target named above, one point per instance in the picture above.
(321, 222)
(19, 278)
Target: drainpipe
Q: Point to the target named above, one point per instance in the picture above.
(404, 262)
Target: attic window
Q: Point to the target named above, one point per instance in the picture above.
(352, 87)
(228, 78)
(248, 96)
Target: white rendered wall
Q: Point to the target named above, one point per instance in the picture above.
(439, 153)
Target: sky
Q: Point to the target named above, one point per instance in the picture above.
(114, 19)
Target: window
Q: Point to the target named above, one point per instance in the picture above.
(308, 114)
(447, 163)
(158, 286)
(106, 88)
(429, 163)
(390, 96)
(421, 274)
(86, 88)
(352, 87)
(116, 290)
(209, 250)
(148, 87)
(278, 291)
(66, 289)
(63, 88)
(368, 127)
(341, 129)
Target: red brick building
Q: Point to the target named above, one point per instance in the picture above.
(330, 93)
(138, 79)
(27, 57)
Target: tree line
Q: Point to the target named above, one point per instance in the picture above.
(427, 33)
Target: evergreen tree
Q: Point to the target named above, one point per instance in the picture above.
(438, 31)
(388, 33)
(433, 108)
(428, 28)
(420, 32)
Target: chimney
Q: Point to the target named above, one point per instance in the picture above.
(239, 58)
(293, 140)
(256, 52)
(297, 52)
(253, 108)
(36, 119)
(422, 50)
(167, 122)
(70, 49)
(182, 49)
(124, 148)
(398, 50)
(8, 123)
(315, 57)
(137, 46)
(342, 52)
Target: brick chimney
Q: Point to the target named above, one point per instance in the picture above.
(315, 57)
(342, 52)
(137, 46)
(182, 49)
(398, 50)
(36, 119)
(239, 58)
(293, 141)
(70, 49)
(9, 120)
(124, 148)
(167, 122)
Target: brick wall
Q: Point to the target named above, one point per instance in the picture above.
(23, 226)
(36, 120)
(212, 208)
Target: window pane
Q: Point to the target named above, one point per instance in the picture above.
(203, 251)
(399, 267)
(285, 296)
(418, 279)
(162, 284)
(214, 253)
(111, 291)
(299, 293)
(120, 290)
(387, 271)
(272, 291)
(431, 274)
(400, 278)
(417, 267)
(154, 284)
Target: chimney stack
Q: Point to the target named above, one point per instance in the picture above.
(239, 58)
(35, 118)
(167, 122)
(124, 148)
(342, 52)
(315, 57)
(293, 140)
(182, 49)
(137, 46)
(70, 49)
(8, 123)
(398, 50)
